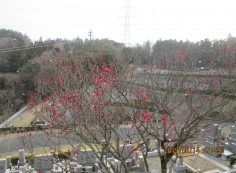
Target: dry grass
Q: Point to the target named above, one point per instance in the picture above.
(45, 150)
(30, 115)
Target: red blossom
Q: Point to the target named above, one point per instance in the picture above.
(95, 107)
(145, 115)
(58, 79)
(54, 113)
(101, 116)
(73, 100)
(223, 50)
(140, 94)
(103, 68)
(233, 48)
(142, 122)
(60, 115)
(46, 109)
(182, 53)
(65, 98)
(108, 70)
(45, 99)
(65, 129)
(96, 93)
(163, 117)
(65, 71)
(31, 100)
(50, 125)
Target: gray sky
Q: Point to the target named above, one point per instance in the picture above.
(150, 19)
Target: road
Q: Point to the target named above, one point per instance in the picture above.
(34, 140)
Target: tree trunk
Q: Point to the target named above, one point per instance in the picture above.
(146, 162)
(163, 165)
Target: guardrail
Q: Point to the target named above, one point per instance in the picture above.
(13, 117)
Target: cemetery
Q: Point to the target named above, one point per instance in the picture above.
(86, 161)
(227, 145)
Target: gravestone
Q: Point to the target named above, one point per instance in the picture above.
(232, 135)
(56, 169)
(233, 129)
(3, 165)
(73, 164)
(141, 166)
(86, 156)
(230, 143)
(215, 131)
(8, 161)
(43, 162)
(179, 167)
(15, 171)
(85, 169)
(21, 161)
(22, 168)
(126, 150)
(72, 154)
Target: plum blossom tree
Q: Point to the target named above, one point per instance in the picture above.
(105, 105)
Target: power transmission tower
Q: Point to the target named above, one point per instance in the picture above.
(127, 23)
(90, 34)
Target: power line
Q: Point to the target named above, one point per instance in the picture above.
(21, 48)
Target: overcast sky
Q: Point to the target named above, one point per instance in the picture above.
(149, 19)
